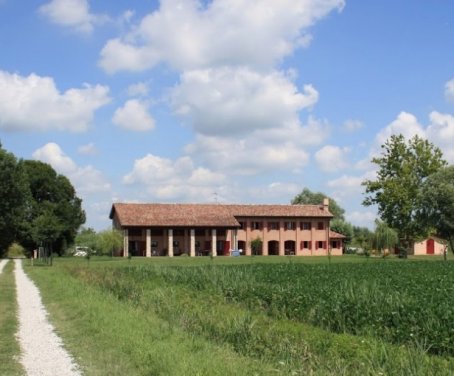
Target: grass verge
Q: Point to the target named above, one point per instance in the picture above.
(109, 337)
(9, 348)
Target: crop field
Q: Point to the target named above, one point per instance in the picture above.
(286, 316)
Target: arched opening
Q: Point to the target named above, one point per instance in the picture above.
(273, 248)
(242, 247)
(289, 247)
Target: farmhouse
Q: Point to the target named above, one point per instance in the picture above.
(218, 229)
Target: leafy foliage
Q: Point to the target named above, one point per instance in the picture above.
(16, 250)
(14, 195)
(437, 204)
(359, 299)
(402, 168)
(109, 241)
(56, 211)
(307, 197)
(385, 237)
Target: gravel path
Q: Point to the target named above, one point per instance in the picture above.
(2, 265)
(42, 350)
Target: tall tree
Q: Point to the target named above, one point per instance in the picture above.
(307, 197)
(56, 211)
(14, 195)
(385, 238)
(437, 204)
(109, 241)
(402, 167)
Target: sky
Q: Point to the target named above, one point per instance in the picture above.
(222, 101)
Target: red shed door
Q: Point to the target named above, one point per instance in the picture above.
(430, 247)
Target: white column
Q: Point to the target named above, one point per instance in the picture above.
(265, 238)
(281, 238)
(148, 249)
(234, 239)
(170, 248)
(192, 242)
(213, 242)
(125, 243)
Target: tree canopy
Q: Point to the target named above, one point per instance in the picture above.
(307, 197)
(38, 206)
(402, 168)
(14, 193)
(56, 211)
(437, 204)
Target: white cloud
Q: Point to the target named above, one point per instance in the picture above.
(449, 90)
(138, 89)
(34, 103)
(190, 35)
(352, 125)
(85, 179)
(247, 156)
(441, 133)
(238, 100)
(71, 13)
(88, 149)
(134, 116)
(176, 180)
(406, 124)
(331, 158)
(361, 218)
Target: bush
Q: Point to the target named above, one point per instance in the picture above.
(15, 250)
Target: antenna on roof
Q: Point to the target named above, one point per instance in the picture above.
(215, 194)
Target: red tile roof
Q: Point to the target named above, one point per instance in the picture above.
(336, 235)
(206, 215)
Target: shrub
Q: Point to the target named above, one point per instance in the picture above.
(15, 250)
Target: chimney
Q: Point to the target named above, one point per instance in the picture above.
(326, 204)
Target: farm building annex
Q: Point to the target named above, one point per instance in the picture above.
(222, 229)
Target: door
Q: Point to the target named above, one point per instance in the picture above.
(430, 246)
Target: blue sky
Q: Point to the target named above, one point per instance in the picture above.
(231, 101)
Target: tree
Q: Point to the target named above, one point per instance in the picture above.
(14, 195)
(56, 211)
(307, 197)
(109, 241)
(402, 167)
(362, 237)
(344, 228)
(87, 237)
(256, 246)
(437, 204)
(385, 238)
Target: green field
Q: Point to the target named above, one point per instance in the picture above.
(254, 315)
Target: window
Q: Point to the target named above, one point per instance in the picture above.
(305, 244)
(176, 243)
(321, 225)
(154, 244)
(273, 225)
(321, 244)
(289, 225)
(305, 226)
(256, 225)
